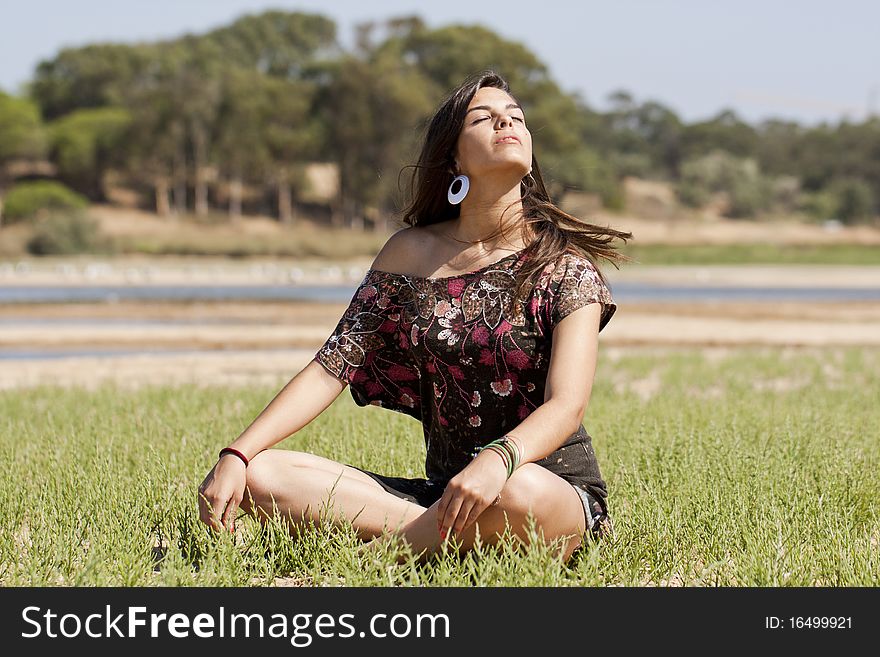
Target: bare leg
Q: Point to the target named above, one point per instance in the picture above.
(555, 505)
(302, 484)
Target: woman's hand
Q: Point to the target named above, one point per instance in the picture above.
(471, 492)
(222, 492)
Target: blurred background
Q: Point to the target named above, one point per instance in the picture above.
(191, 191)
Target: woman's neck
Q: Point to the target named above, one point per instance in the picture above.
(481, 215)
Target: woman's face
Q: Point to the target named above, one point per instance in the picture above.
(494, 137)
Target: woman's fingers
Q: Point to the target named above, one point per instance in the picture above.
(204, 508)
(441, 509)
(447, 517)
(209, 510)
(460, 513)
(465, 513)
(229, 515)
(475, 512)
(220, 494)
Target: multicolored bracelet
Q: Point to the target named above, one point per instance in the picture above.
(507, 449)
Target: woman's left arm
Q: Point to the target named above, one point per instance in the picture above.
(567, 392)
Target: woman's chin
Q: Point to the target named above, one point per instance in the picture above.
(514, 169)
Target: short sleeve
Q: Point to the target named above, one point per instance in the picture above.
(575, 283)
(369, 349)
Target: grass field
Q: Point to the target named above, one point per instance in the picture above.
(758, 467)
(655, 242)
(754, 254)
(647, 254)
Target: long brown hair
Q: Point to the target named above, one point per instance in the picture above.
(553, 231)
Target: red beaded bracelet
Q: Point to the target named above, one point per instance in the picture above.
(231, 450)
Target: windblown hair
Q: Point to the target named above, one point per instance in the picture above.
(548, 231)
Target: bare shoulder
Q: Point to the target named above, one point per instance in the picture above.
(404, 250)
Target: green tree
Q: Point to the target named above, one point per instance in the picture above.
(154, 146)
(85, 144)
(854, 200)
(447, 55)
(286, 50)
(373, 109)
(778, 148)
(725, 131)
(22, 136)
(277, 43)
(92, 76)
(348, 105)
(68, 233)
(739, 179)
(644, 137)
(37, 199)
(291, 136)
(241, 151)
(197, 80)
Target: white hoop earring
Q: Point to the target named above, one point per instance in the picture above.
(463, 184)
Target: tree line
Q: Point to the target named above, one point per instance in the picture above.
(229, 120)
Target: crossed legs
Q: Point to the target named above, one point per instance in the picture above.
(301, 484)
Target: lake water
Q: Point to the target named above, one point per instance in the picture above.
(622, 292)
(73, 352)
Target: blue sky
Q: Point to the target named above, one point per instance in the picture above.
(802, 60)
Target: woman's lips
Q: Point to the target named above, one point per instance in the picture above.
(508, 140)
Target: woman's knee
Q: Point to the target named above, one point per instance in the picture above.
(266, 468)
(269, 483)
(524, 491)
(275, 474)
(258, 473)
(264, 476)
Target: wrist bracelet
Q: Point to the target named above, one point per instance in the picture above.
(504, 457)
(508, 449)
(235, 452)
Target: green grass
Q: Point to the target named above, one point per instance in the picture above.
(369, 244)
(758, 468)
(191, 239)
(754, 254)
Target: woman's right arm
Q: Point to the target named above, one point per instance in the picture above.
(299, 402)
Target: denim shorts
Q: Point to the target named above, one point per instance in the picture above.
(424, 493)
(598, 521)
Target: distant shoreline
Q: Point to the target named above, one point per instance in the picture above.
(245, 343)
(168, 270)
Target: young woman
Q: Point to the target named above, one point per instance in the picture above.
(481, 321)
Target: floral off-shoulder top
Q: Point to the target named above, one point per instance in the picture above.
(462, 355)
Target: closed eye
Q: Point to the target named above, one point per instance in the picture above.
(515, 118)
